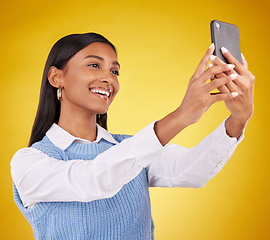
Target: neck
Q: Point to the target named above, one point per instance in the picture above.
(79, 123)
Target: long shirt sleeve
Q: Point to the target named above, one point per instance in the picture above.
(193, 167)
(40, 178)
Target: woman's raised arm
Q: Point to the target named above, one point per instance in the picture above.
(197, 99)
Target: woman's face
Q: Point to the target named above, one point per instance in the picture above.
(90, 79)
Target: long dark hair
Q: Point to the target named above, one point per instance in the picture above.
(48, 111)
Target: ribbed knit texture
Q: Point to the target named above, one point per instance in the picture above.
(125, 216)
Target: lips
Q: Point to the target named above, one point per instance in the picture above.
(103, 93)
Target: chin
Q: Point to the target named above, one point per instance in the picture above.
(101, 110)
(99, 107)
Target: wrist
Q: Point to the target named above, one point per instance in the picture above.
(234, 127)
(184, 117)
(169, 126)
(243, 120)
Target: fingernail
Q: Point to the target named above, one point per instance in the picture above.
(233, 76)
(210, 65)
(231, 66)
(212, 57)
(224, 50)
(234, 94)
(211, 45)
(243, 56)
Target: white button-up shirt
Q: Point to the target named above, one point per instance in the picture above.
(40, 178)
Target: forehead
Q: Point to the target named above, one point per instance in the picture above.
(103, 50)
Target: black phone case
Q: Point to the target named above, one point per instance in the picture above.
(227, 35)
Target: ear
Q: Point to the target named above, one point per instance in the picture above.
(55, 77)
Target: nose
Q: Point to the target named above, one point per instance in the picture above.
(108, 81)
(107, 78)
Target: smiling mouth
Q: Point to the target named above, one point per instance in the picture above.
(102, 93)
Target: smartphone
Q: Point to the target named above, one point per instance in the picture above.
(225, 35)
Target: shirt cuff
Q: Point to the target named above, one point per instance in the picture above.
(240, 139)
(223, 142)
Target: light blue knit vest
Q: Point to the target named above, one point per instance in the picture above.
(125, 216)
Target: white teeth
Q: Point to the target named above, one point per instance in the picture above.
(100, 91)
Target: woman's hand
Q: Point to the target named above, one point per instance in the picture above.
(242, 106)
(197, 98)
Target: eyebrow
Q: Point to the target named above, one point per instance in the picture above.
(102, 59)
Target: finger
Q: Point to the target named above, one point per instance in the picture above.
(239, 67)
(241, 82)
(210, 65)
(220, 75)
(222, 89)
(213, 71)
(222, 97)
(203, 63)
(231, 86)
(244, 62)
(218, 83)
(217, 61)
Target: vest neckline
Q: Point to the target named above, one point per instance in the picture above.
(88, 148)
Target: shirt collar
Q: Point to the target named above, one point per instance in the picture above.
(62, 139)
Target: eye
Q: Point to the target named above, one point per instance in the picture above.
(94, 65)
(115, 72)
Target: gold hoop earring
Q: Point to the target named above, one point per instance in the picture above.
(59, 93)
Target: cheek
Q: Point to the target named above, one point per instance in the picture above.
(76, 81)
(74, 90)
(117, 87)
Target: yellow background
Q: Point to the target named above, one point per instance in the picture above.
(159, 44)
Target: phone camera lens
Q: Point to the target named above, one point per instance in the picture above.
(217, 25)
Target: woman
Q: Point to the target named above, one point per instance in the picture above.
(107, 197)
